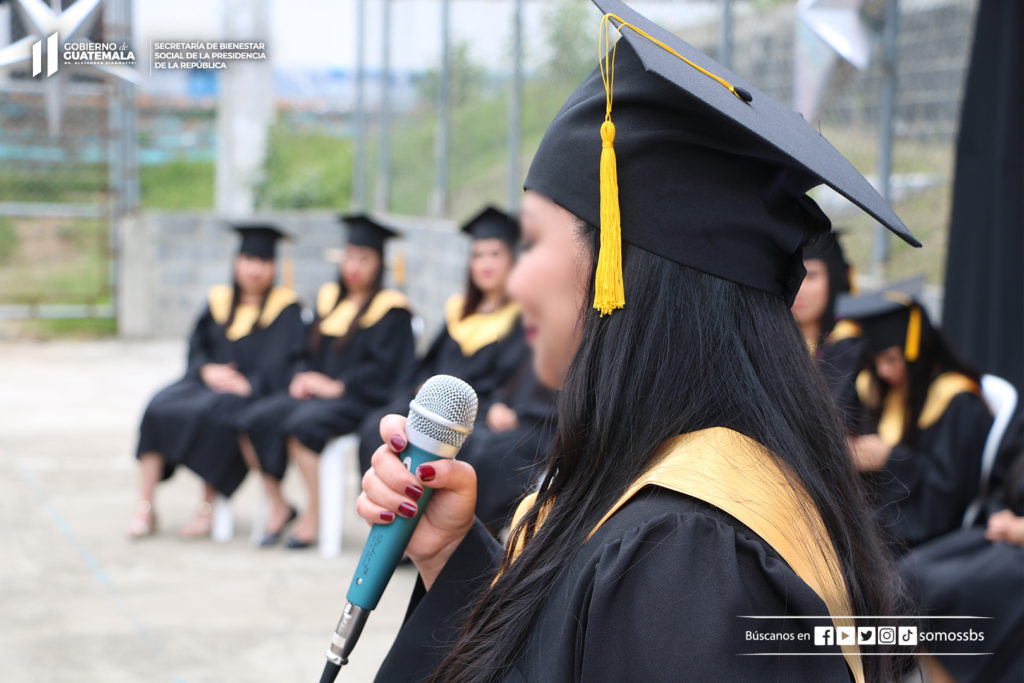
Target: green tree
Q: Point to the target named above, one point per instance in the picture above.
(305, 169)
(466, 78)
(571, 37)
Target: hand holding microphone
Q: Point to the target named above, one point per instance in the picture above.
(406, 471)
(386, 488)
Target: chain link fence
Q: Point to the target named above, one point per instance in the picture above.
(55, 193)
(932, 55)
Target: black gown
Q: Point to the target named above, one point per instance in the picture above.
(484, 350)
(509, 463)
(369, 365)
(190, 424)
(926, 485)
(839, 359)
(961, 573)
(603, 621)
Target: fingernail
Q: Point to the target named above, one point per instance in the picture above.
(413, 492)
(407, 510)
(397, 442)
(426, 472)
(387, 516)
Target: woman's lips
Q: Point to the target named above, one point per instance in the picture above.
(531, 334)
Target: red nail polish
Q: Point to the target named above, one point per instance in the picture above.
(407, 510)
(397, 442)
(413, 492)
(426, 472)
(387, 516)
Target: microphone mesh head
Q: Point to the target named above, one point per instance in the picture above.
(450, 399)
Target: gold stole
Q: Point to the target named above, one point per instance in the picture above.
(477, 330)
(941, 392)
(740, 477)
(844, 329)
(220, 298)
(336, 318)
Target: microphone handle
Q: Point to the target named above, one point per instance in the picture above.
(386, 543)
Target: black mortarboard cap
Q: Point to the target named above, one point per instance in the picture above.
(364, 231)
(889, 317)
(258, 239)
(711, 172)
(493, 223)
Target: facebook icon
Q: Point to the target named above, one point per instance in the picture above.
(824, 635)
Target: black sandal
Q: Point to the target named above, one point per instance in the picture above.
(273, 537)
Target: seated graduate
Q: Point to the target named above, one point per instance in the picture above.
(360, 343)
(482, 339)
(243, 347)
(927, 422)
(700, 470)
(978, 572)
(508, 448)
(835, 346)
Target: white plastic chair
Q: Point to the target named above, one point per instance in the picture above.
(1001, 398)
(223, 527)
(334, 462)
(333, 468)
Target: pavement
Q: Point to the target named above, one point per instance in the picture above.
(80, 602)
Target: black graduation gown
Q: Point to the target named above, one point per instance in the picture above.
(485, 367)
(839, 359)
(654, 595)
(190, 424)
(508, 464)
(926, 485)
(369, 365)
(961, 573)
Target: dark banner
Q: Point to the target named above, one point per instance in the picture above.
(984, 303)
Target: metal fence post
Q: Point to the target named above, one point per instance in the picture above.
(886, 114)
(439, 202)
(358, 197)
(384, 149)
(515, 106)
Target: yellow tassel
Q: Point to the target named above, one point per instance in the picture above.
(608, 290)
(609, 294)
(913, 346)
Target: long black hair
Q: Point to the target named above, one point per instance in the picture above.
(315, 337)
(688, 352)
(935, 356)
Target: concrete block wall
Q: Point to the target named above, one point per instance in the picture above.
(168, 261)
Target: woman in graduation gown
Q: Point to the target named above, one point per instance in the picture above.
(700, 472)
(360, 343)
(508, 447)
(927, 422)
(979, 572)
(482, 340)
(836, 346)
(243, 347)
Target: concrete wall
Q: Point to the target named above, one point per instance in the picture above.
(169, 260)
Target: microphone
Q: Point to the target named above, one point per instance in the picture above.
(441, 416)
